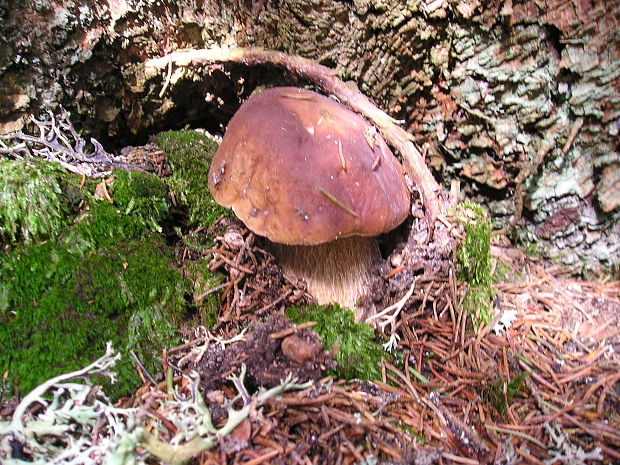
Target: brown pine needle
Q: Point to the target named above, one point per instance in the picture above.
(375, 163)
(296, 96)
(342, 160)
(338, 202)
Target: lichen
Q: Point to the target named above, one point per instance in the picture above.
(359, 352)
(189, 154)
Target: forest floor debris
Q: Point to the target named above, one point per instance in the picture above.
(543, 387)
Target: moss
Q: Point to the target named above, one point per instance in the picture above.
(530, 247)
(359, 352)
(189, 154)
(101, 226)
(502, 272)
(60, 308)
(107, 276)
(141, 195)
(411, 432)
(36, 200)
(140, 206)
(206, 301)
(473, 260)
(501, 397)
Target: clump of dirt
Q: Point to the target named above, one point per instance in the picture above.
(273, 349)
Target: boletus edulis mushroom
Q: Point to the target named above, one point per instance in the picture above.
(318, 182)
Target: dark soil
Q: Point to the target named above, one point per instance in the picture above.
(269, 356)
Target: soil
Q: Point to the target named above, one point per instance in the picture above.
(544, 390)
(272, 350)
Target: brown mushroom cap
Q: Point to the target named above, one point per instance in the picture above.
(299, 168)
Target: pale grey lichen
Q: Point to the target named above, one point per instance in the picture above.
(564, 451)
(63, 430)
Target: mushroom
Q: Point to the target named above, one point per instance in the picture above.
(318, 182)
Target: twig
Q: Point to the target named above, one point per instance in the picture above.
(459, 459)
(572, 134)
(167, 81)
(263, 458)
(294, 329)
(142, 367)
(211, 291)
(525, 436)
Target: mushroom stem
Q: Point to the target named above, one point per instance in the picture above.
(340, 271)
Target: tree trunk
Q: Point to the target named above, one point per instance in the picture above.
(519, 100)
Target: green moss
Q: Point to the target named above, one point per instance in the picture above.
(473, 260)
(411, 432)
(36, 200)
(502, 271)
(100, 227)
(359, 352)
(206, 301)
(140, 206)
(60, 308)
(501, 399)
(141, 195)
(27, 272)
(107, 277)
(189, 154)
(530, 247)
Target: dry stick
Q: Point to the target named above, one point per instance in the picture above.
(327, 80)
(520, 434)
(263, 458)
(211, 291)
(292, 330)
(142, 367)
(229, 262)
(572, 134)
(459, 459)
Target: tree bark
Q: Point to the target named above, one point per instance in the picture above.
(518, 100)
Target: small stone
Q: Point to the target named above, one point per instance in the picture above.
(217, 397)
(299, 350)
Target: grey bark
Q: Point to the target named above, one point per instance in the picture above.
(519, 100)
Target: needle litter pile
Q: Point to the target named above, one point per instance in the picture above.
(538, 384)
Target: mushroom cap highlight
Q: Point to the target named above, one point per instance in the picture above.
(299, 168)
